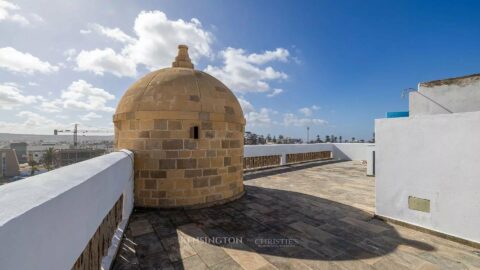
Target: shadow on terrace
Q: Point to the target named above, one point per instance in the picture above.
(266, 227)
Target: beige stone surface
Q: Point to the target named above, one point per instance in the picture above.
(156, 118)
(327, 213)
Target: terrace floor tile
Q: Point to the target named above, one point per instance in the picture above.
(314, 218)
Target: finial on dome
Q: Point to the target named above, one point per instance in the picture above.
(182, 60)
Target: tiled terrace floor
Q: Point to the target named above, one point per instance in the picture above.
(325, 211)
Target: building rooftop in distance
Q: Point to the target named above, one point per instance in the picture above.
(462, 81)
(315, 218)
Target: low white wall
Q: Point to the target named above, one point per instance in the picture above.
(340, 151)
(434, 157)
(352, 151)
(47, 220)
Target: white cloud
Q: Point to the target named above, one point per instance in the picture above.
(246, 105)
(243, 72)
(290, 119)
(80, 95)
(279, 54)
(12, 97)
(14, 84)
(308, 111)
(16, 61)
(106, 60)
(35, 120)
(70, 54)
(265, 117)
(36, 17)
(275, 92)
(260, 118)
(17, 18)
(113, 33)
(32, 123)
(89, 116)
(158, 38)
(51, 105)
(154, 46)
(84, 96)
(85, 31)
(9, 12)
(254, 117)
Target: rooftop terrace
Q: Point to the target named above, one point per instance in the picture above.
(315, 218)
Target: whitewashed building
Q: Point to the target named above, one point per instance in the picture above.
(427, 171)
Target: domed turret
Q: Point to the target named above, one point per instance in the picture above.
(186, 130)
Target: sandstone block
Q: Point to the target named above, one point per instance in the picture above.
(160, 124)
(174, 144)
(200, 182)
(186, 163)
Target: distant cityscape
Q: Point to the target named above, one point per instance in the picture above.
(24, 155)
(254, 139)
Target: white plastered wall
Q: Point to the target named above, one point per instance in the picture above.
(47, 220)
(435, 157)
(458, 95)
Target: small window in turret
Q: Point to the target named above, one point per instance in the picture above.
(194, 132)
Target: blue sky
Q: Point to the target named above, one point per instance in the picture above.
(332, 65)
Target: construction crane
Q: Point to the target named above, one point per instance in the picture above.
(75, 132)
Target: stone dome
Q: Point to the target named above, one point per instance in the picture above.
(182, 90)
(186, 130)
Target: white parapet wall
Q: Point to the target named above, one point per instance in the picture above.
(340, 151)
(453, 95)
(46, 221)
(433, 158)
(352, 151)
